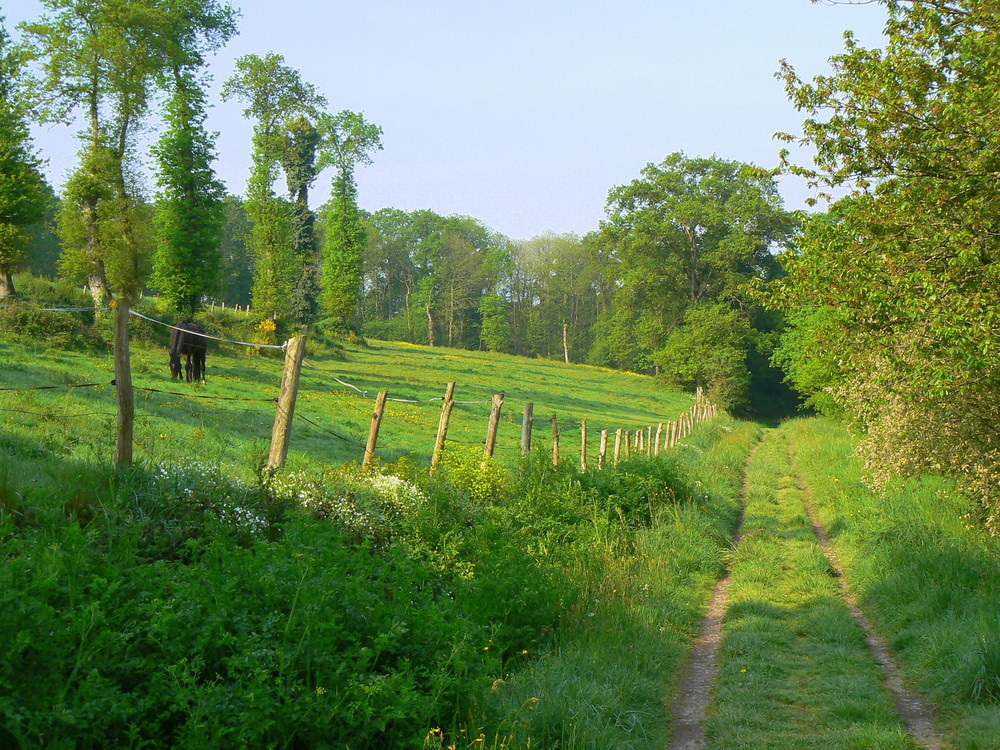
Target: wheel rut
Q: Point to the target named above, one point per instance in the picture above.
(916, 713)
(699, 672)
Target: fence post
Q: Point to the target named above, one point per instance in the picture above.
(373, 431)
(649, 440)
(628, 443)
(526, 420)
(618, 445)
(659, 437)
(491, 428)
(442, 433)
(286, 401)
(583, 444)
(602, 456)
(555, 441)
(123, 387)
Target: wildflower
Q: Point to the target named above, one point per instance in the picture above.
(320, 691)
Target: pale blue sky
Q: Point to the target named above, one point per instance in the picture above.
(524, 113)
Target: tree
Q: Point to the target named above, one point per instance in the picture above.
(299, 162)
(108, 57)
(273, 94)
(909, 260)
(690, 233)
(347, 141)
(190, 212)
(23, 191)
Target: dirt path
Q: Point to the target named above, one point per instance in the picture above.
(917, 714)
(699, 672)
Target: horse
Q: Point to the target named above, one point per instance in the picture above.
(186, 340)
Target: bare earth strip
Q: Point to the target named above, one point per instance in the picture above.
(701, 668)
(917, 713)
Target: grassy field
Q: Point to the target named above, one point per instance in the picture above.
(198, 421)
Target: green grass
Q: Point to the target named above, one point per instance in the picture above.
(923, 571)
(794, 669)
(191, 601)
(229, 431)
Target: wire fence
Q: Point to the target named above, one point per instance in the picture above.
(624, 440)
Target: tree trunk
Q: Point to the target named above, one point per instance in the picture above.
(430, 324)
(6, 284)
(566, 342)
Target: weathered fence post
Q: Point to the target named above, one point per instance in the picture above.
(282, 431)
(491, 428)
(526, 420)
(442, 433)
(123, 386)
(659, 437)
(583, 444)
(373, 432)
(649, 440)
(555, 441)
(602, 456)
(618, 445)
(628, 443)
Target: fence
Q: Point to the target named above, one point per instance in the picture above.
(648, 440)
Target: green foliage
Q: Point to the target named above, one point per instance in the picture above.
(273, 94)
(189, 213)
(347, 140)
(22, 187)
(495, 331)
(345, 237)
(709, 350)
(908, 259)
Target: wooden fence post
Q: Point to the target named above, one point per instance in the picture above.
(555, 441)
(442, 433)
(123, 387)
(526, 420)
(583, 444)
(602, 456)
(618, 445)
(491, 429)
(282, 431)
(649, 440)
(628, 443)
(659, 438)
(373, 431)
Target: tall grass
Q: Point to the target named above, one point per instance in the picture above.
(924, 571)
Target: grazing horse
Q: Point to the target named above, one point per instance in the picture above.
(186, 340)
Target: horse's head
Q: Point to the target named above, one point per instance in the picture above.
(175, 366)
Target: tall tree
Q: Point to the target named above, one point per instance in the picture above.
(190, 210)
(301, 169)
(23, 192)
(348, 140)
(273, 94)
(690, 232)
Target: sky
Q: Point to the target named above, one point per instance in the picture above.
(524, 114)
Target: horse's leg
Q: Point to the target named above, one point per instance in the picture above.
(187, 367)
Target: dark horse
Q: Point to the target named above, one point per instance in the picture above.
(186, 340)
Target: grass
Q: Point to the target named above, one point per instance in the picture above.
(923, 571)
(197, 423)
(794, 670)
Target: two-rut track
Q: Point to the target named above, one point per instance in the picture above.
(708, 709)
